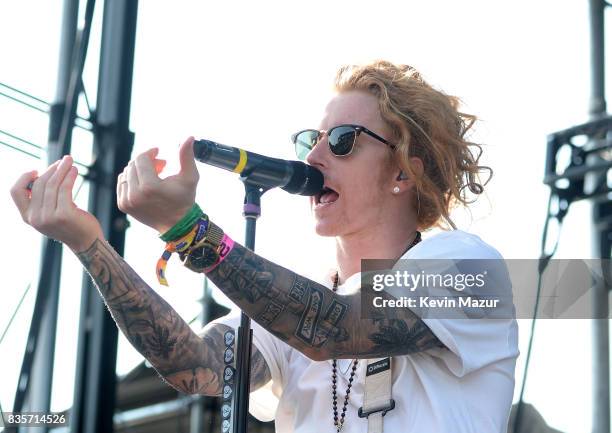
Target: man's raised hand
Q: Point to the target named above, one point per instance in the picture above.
(158, 203)
(49, 208)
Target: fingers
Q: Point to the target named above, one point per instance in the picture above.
(122, 187)
(38, 189)
(20, 193)
(140, 185)
(41, 201)
(121, 191)
(187, 160)
(132, 179)
(53, 184)
(145, 169)
(64, 195)
(118, 186)
(159, 165)
(140, 172)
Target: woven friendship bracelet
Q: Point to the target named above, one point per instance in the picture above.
(181, 246)
(185, 224)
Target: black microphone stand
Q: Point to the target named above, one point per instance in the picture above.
(251, 211)
(258, 175)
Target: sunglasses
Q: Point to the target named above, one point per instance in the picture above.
(341, 139)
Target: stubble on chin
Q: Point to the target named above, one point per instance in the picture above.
(331, 227)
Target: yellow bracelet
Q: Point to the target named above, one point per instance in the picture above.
(179, 246)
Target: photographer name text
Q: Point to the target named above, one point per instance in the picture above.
(431, 302)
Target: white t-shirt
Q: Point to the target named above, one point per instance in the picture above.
(466, 387)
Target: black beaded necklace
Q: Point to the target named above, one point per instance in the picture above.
(339, 424)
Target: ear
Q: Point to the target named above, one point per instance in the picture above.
(417, 166)
(403, 180)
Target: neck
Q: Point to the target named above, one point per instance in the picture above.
(375, 244)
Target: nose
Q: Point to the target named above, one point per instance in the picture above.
(319, 154)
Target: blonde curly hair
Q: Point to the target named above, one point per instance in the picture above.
(425, 123)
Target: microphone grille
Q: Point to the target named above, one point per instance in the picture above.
(305, 180)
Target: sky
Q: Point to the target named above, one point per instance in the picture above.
(250, 74)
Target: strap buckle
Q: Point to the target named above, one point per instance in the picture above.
(384, 409)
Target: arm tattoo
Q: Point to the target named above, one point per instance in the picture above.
(190, 363)
(311, 318)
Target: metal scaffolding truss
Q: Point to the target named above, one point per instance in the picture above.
(94, 395)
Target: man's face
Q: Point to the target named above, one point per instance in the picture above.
(362, 181)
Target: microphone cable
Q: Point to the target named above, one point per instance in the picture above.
(543, 261)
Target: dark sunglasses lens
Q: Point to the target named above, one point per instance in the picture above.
(341, 140)
(304, 142)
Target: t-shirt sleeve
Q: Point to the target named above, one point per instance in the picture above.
(474, 335)
(264, 401)
(473, 343)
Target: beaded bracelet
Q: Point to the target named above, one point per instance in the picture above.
(185, 224)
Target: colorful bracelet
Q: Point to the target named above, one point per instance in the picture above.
(227, 245)
(201, 248)
(185, 224)
(181, 246)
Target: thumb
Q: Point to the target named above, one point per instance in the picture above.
(187, 161)
(21, 191)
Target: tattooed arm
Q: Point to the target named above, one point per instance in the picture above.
(313, 319)
(190, 363)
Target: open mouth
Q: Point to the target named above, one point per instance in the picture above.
(326, 197)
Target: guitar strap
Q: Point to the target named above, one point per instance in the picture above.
(377, 399)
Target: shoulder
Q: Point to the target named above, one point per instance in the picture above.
(453, 244)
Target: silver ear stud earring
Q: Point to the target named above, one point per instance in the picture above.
(396, 190)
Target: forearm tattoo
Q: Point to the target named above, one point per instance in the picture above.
(313, 319)
(189, 362)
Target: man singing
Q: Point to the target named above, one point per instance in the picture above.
(395, 159)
